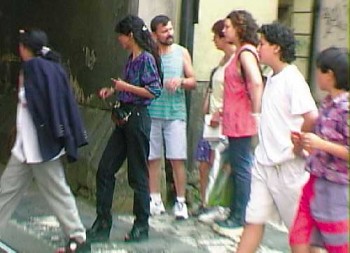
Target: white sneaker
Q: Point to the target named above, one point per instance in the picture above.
(216, 213)
(156, 208)
(180, 211)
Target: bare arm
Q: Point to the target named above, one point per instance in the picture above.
(308, 126)
(189, 82)
(254, 79)
(206, 101)
(312, 141)
(309, 121)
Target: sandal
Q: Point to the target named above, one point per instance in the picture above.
(74, 246)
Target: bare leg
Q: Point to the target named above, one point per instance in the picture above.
(251, 238)
(204, 168)
(303, 248)
(317, 250)
(154, 174)
(179, 177)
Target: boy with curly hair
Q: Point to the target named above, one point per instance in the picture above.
(278, 174)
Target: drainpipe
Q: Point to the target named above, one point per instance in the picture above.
(189, 16)
(314, 43)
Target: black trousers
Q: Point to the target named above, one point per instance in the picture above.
(131, 142)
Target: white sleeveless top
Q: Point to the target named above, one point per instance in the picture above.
(217, 95)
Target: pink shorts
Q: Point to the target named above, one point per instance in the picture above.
(323, 216)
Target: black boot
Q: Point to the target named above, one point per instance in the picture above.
(100, 230)
(137, 233)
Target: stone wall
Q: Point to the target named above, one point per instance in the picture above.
(302, 16)
(331, 29)
(205, 55)
(83, 32)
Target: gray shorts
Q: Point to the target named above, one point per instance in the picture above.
(173, 132)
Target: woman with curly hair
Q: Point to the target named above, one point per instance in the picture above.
(242, 103)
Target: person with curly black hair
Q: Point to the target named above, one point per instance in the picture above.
(278, 174)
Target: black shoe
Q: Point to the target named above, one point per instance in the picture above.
(201, 210)
(137, 234)
(100, 230)
(230, 228)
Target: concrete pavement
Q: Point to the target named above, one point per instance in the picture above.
(33, 228)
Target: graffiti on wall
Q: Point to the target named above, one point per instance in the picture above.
(90, 57)
(331, 30)
(333, 23)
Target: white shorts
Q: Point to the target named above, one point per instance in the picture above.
(275, 192)
(173, 132)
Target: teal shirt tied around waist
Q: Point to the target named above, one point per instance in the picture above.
(171, 105)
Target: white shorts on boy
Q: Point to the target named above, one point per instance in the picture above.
(275, 192)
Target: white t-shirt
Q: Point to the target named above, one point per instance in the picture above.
(26, 148)
(217, 95)
(286, 98)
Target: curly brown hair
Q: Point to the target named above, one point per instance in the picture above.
(245, 25)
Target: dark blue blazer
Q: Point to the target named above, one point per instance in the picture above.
(53, 108)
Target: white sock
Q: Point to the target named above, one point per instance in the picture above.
(180, 199)
(156, 197)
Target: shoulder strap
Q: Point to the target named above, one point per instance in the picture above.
(210, 86)
(239, 58)
(242, 70)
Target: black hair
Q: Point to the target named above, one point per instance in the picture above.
(142, 36)
(245, 25)
(157, 20)
(37, 41)
(283, 36)
(335, 59)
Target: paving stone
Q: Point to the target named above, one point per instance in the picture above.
(34, 219)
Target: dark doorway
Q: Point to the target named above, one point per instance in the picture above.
(82, 31)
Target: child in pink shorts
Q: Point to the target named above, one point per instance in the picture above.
(323, 216)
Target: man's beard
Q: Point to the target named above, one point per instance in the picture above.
(168, 42)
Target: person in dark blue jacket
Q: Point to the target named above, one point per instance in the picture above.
(48, 126)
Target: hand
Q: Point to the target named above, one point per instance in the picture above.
(296, 140)
(257, 120)
(310, 141)
(120, 85)
(215, 119)
(173, 84)
(105, 92)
